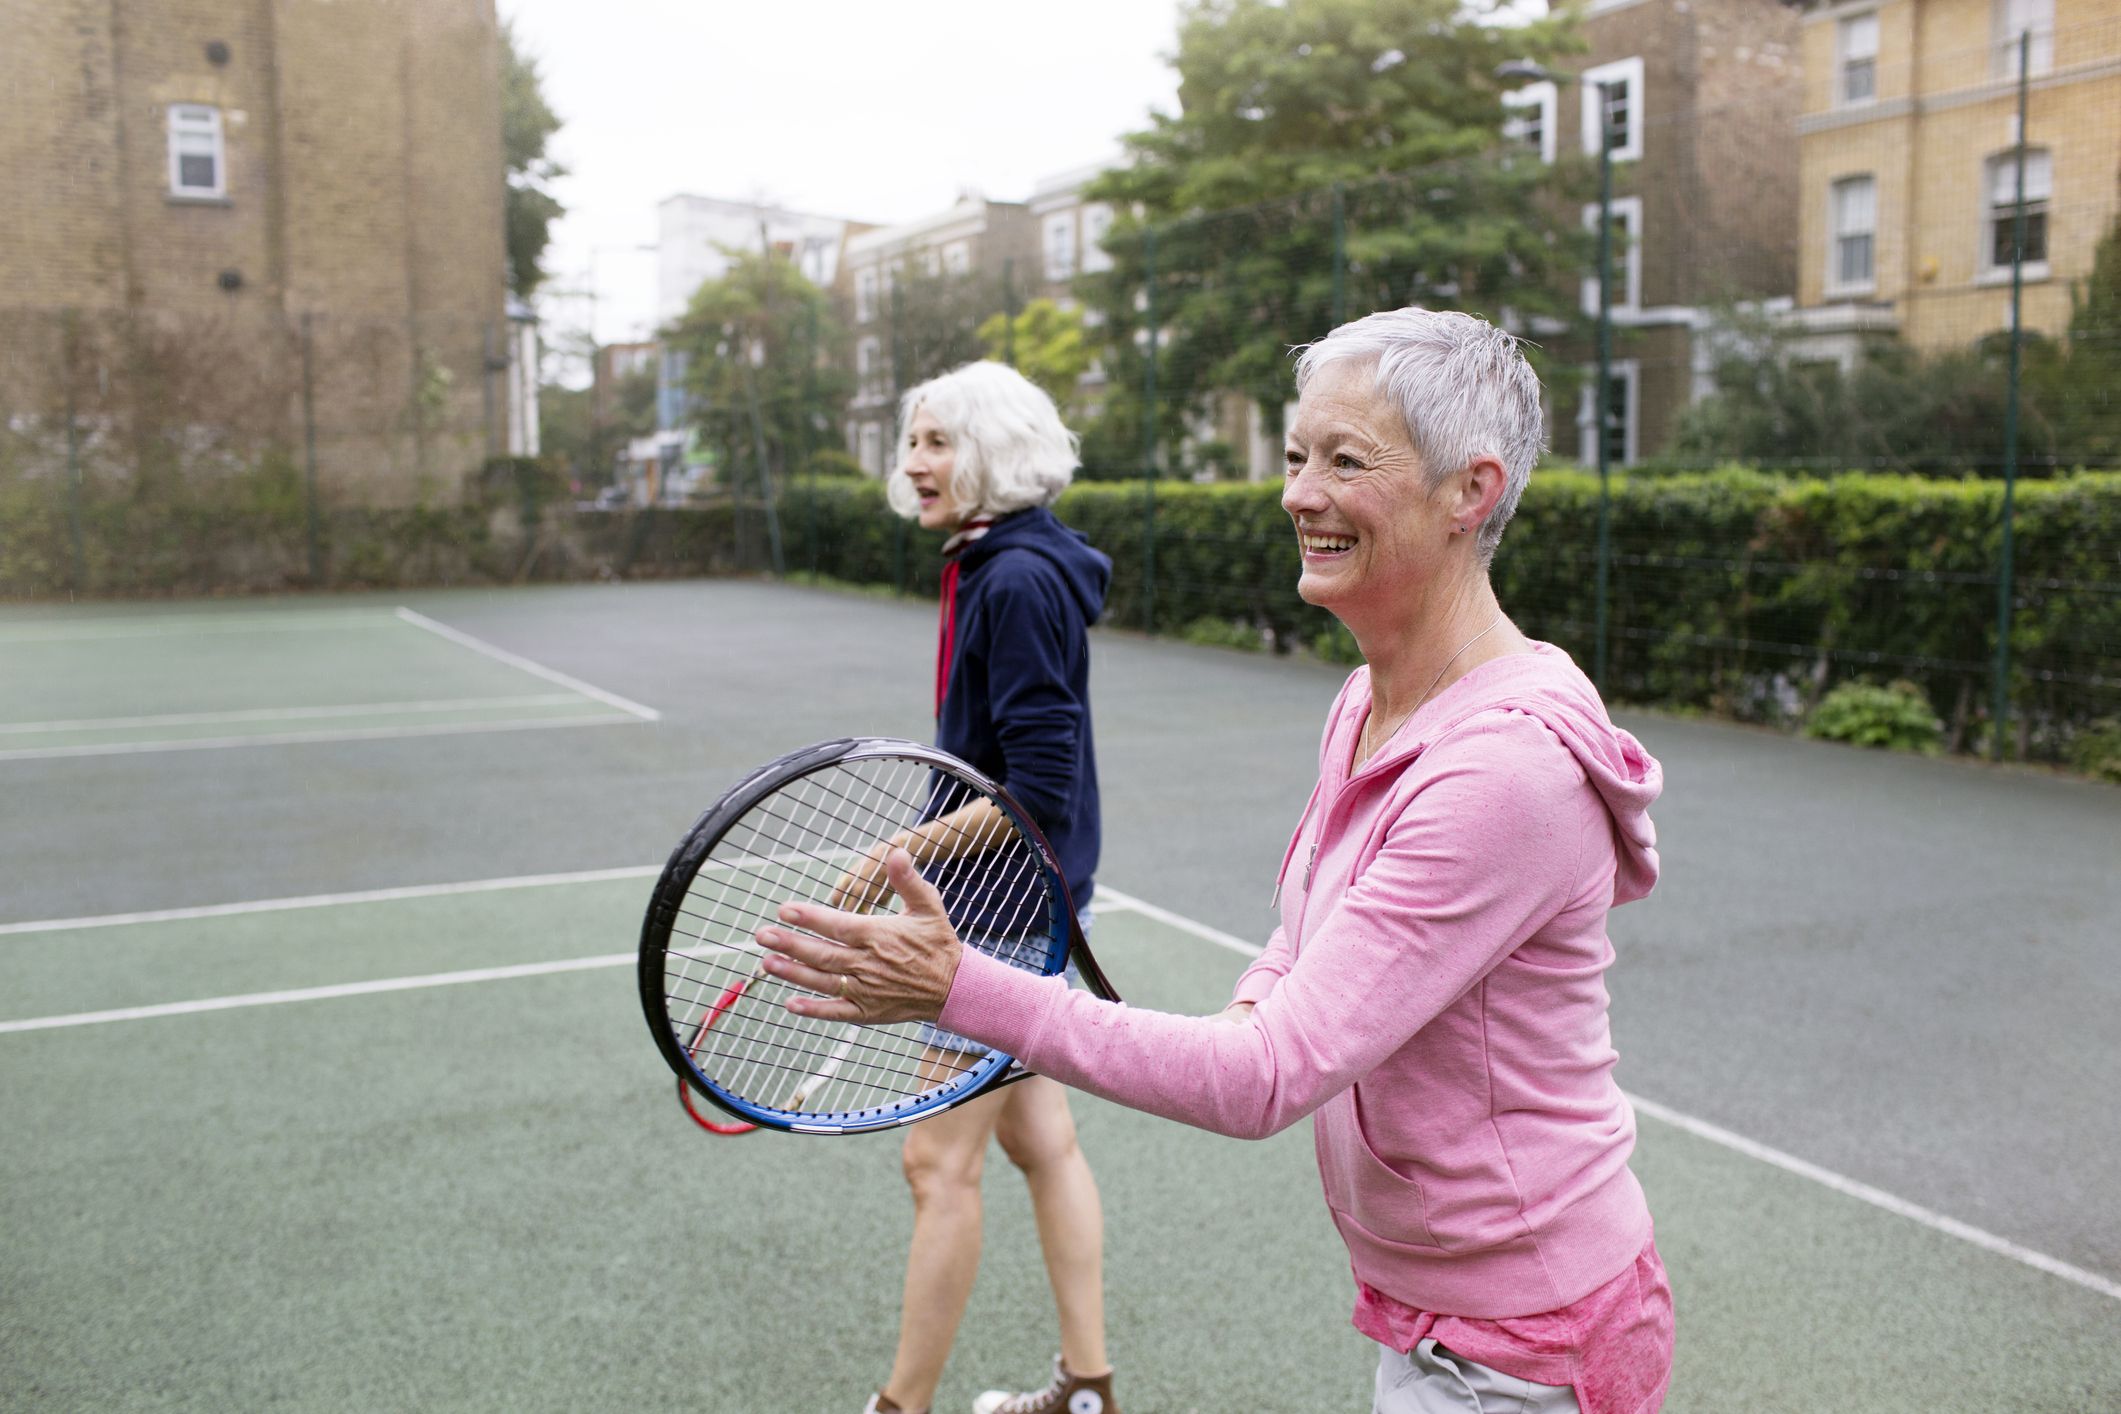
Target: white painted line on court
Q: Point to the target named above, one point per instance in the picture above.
(1878, 1198)
(318, 994)
(226, 743)
(278, 714)
(275, 905)
(160, 625)
(516, 660)
(1108, 899)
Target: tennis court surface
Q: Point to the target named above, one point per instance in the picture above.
(327, 1087)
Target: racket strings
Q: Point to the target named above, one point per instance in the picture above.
(801, 842)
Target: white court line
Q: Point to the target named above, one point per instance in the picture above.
(1878, 1198)
(514, 660)
(1112, 900)
(1107, 899)
(224, 743)
(163, 624)
(276, 714)
(317, 994)
(275, 905)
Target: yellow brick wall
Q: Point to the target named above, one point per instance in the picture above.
(1929, 159)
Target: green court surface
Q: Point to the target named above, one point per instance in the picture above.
(480, 1194)
(121, 682)
(327, 1086)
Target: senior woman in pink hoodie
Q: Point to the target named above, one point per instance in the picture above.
(1434, 997)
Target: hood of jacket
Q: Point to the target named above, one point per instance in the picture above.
(1547, 685)
(1085, 570)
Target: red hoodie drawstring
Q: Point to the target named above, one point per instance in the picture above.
(946, 639)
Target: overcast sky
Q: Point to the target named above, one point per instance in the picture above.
(878, 110)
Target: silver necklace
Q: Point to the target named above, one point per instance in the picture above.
(1419, 702)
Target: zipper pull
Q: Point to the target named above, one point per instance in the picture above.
(1308, 862)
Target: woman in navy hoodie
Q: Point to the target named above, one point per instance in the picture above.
(982, 455)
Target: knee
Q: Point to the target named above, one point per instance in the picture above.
(940, 1172)
(1043, 1142)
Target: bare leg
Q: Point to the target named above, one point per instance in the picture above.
(1038, 1134)
(943, 1157)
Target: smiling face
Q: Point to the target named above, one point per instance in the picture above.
(929, 461)
(1370, 528)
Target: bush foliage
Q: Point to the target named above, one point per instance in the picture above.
(1733, 591)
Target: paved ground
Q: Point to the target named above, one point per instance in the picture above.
(1898, 969)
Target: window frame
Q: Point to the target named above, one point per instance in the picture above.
(1544, 96)
(1091, 256)
(2003, 40)
(1593, 84)
(2001, 165)
(1627, 211)
(1058, 264)
(1833, 283)
(1844, 58)
(1627, 373)
(192, 121)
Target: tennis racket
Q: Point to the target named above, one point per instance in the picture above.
(814, 826)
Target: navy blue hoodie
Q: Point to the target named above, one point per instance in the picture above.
(1017, 703)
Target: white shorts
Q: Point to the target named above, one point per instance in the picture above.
(936, 1038)
(1431, 1379)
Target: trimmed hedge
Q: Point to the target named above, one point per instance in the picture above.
(1733, 591)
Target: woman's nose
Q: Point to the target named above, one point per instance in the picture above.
(1302, 490)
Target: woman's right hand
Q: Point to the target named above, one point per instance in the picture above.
(1237, 1013)
(862, 888)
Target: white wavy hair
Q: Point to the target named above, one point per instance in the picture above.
(1462, 385)
(1011, 451)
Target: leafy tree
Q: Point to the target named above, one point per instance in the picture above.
(762, 352)
(933, 320)
(527, 124)
(2078, 386)
(1046, 343)
(1896, 410)
(1379, 117)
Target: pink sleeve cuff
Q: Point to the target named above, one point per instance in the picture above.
(998, 1005)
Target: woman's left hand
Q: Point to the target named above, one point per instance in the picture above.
(872, 968)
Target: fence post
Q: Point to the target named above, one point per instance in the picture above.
(309, 455)
(1340, 256)
(2000, 711)
(1604, 410)
(898, 378)
(1149, 435)
(1009, 310)
(758, 456)
(73, 451)
(809, 440)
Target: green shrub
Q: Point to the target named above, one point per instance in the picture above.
(2096, 750)
(1224, 633)
(1898, 716)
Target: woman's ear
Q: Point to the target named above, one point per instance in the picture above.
(1480, 487)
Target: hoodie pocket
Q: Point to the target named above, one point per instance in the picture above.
(1363, 1188)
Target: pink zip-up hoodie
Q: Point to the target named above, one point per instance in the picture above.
(1435, 997)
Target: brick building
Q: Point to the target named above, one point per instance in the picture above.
(1701, 100)
(193, 184)
(1910, 148)
(973, 239)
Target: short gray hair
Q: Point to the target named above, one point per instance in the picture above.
(1011, 451)
(1462, 385)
